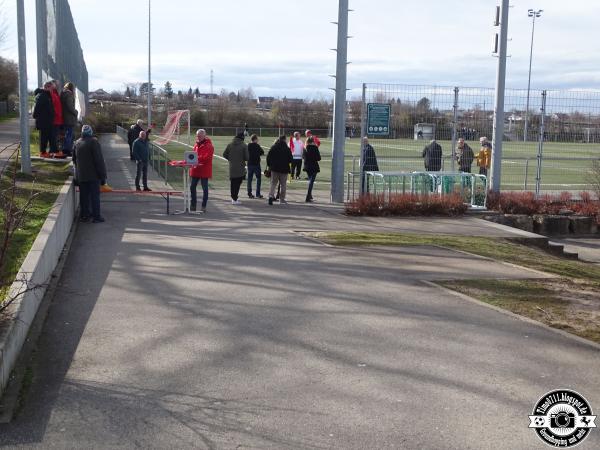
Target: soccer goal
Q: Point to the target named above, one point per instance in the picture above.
(177, 121)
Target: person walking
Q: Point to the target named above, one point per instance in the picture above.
(432, 157)
(57, 122)
(141, 155)
(369, 163)
(43, 113)
(279, 159)
(67, 101)
(255, 151)
(297, 149)
(484, 157)
(237, 155)
(90, 171)
(133, 134)
(312, 156)
(202, 172)
(464, 156)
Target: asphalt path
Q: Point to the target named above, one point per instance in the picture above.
(231, 330)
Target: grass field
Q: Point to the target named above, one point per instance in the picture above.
(561, 169)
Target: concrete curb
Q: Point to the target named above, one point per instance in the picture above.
(35, 274)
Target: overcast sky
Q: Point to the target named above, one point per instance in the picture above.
(283, 47)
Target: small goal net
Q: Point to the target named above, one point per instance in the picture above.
(177, 121)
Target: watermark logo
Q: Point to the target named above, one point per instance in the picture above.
(562, 418)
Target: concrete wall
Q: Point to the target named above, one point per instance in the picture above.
(36, 272)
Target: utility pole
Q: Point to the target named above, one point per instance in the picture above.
(23, 94)
(149, 65)
(339, 113)
(498, 136)
(533, 14)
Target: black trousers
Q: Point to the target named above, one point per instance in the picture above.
(45, 138)
(296, 167)
(89, 196)
(236, 183)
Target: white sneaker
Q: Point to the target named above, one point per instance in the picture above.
(236, 202)
(283, 202)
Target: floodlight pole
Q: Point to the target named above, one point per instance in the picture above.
(498, 136)
(339, 106)
(149, 65)
(533, 14)
(23, 94)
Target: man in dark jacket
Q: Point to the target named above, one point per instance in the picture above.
(43, 113)
(91, 172)
(237, 155)
(370, 162)
(141, 155)
(464, 156)
(432, 155)
(133, 134)
(67, 99)
(255, 151)
(279, 160)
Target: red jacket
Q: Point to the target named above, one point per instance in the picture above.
(315, 138)
(205, 152)
(56, 103)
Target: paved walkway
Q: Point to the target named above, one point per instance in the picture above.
(229, 330)
(588, 249)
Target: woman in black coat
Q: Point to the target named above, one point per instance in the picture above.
(311, 165)
(278, 161)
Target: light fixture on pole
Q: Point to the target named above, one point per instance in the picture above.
(533, 14)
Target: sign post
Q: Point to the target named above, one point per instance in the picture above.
(378, 119)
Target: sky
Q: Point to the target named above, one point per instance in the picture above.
(282, 47)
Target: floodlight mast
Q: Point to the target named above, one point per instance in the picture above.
(23, 94)
(533, 14)
(149, 90)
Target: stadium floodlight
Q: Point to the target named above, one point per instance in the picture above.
(149, 90)
(533, 14)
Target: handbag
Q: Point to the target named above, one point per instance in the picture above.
(267, 173)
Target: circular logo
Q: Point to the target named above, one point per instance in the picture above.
(562, 418)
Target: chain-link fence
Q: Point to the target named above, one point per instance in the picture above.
(60, 56)
(560, 130)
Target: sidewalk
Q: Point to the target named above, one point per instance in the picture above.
(229, 330)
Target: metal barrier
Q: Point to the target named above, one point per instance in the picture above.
(472, 187)
(159, 157)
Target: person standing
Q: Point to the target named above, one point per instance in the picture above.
(432, 156)
(43, 113)
(369, 162)
(297, 149)
(57, 122)
(133, 134)
(237, 155)
(255, 151)
(91, 172)
(464, 156)
(484, 157)
(279, 159)
(141, 155)
(203, 171)
(67, 100)
(312, 156)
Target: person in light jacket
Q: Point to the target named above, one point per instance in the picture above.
(237, 155)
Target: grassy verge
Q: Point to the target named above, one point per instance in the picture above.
(47, 181)
(9, 116)
(570, 302)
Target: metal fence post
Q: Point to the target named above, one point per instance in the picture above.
(526, 174)
(363, 134)
(538, 178)
(454, 120)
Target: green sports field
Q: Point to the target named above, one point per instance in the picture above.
(565, 167)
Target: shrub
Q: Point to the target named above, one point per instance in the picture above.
(407, 205)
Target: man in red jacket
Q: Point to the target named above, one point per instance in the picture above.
(203, 171)
(58, 121)
(316, 139)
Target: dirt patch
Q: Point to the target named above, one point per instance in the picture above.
(571, 305)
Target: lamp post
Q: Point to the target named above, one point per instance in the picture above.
(149, 66)
(533, 14)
